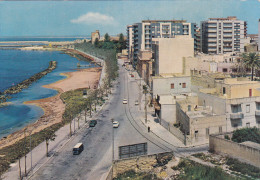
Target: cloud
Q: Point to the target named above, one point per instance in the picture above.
(243, 0)
(94, 18)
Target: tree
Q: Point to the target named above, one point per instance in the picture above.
(96, 43)
(49, 135)
(251, 61)
(107, 37)
(121, 43)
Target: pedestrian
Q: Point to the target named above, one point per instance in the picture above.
(148, 128)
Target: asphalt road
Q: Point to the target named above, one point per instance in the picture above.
(96, 159)
(94, 162)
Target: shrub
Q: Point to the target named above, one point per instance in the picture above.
(246, 134)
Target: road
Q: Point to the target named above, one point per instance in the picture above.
(96, 159)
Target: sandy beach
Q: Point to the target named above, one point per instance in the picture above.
(53, 106)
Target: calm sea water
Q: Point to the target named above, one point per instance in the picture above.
(41, 38)
(16, 66)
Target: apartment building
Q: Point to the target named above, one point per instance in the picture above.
(197, 41)
(223, 35)
(169, 54)
(259, 34)
(221, 106)
(141, 34)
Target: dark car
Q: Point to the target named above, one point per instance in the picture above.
(92, 123)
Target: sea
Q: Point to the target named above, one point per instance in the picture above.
(18, 65)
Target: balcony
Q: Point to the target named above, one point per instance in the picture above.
(257, 113)
(238, 115)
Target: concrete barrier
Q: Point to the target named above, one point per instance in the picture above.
(218, 144)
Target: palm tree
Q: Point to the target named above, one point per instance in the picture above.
(251, 61)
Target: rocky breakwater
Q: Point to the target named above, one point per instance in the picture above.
(26, 83)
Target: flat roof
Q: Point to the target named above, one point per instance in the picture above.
(156, 21)
(78, 145)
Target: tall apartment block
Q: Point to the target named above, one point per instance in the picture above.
(223, 35)
(259, 34)
(140, 35)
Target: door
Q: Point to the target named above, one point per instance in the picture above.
(250, 92)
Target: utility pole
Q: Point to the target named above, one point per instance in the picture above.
(20, 171)
(25, 172)
(31, 149)
(74, 126)
(145, 108)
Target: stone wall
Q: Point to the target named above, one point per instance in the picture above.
(139, 164)
(218, 144)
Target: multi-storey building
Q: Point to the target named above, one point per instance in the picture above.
(222, 35)
(259, 34)
(197, 41)
(141, 34)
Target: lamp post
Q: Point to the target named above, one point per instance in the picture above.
(112, 120)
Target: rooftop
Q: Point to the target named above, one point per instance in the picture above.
(164, 21)
(229, 18)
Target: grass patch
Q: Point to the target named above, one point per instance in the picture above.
(136, 176)
(193, 170)
(244, 168)
(208, 158)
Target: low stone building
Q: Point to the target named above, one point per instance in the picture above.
(222, 107)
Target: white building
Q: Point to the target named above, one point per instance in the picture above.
(222, 35)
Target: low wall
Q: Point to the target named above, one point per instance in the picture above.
(218, 144)
(139, 164)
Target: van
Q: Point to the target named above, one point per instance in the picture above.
(78, 148)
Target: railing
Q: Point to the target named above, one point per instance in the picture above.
(238, 115)
(257, 112)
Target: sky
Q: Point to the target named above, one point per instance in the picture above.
(80, 18)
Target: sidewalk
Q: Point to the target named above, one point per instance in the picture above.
(155, 127)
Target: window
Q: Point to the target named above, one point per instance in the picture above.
(248, 108)
(196, 134)
(248, 125)
(236, 108)
(183, 85)
(224, 69)
(207, 132)
(250, 92)
(220, 129)
(224, 90)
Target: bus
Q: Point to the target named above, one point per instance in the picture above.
(78, 148)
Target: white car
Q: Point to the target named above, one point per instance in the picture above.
(125, 101)
(115, 124)
(136, 103)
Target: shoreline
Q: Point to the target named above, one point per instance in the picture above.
(53, 106)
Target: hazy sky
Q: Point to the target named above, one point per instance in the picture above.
(69, 18)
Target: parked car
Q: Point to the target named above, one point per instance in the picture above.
(132, 75)
(125, 101)
(136, 102)
(92, 123)
(115, 124)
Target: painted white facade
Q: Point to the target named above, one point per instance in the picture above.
(223, 35)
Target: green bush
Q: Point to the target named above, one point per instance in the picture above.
(246, 134)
